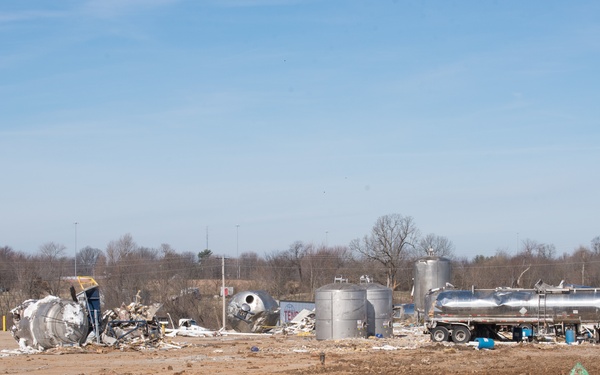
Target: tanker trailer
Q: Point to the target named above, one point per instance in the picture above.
(461, 315)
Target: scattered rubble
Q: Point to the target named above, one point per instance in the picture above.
(303, 323)
(189, 328)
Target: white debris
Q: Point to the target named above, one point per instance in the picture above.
(304, 322)
(189, 328)
(385, 347)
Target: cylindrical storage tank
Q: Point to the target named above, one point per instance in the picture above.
(340, 311)
(429, 273)
(252, 311)
(50, 322)
(380, 310)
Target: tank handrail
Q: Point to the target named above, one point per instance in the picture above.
(86, 282)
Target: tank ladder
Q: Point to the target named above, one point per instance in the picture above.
(542, 315)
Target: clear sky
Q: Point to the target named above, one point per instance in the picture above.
(298, 121)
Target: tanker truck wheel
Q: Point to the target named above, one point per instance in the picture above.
(460, 334)
(439, 334)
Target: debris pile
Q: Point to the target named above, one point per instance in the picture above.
(303, 323)
(133, 323)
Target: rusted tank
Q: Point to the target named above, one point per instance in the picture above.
(252, 311)
(49, 323)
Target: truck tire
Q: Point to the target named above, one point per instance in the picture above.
(439, 334)
(460, 334)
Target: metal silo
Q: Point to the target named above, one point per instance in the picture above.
(340, 311)
(429, 273)
(379, 308)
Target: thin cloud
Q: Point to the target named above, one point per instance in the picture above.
(29, 15)
(254, 3)
(116, 8)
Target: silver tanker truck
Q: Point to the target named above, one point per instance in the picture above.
(545, 310)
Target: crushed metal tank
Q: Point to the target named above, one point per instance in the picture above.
(430, 272)
(48, 323)
(380, 309)
(340, 311)
(252, 311)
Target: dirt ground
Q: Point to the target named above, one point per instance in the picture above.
(410, 353)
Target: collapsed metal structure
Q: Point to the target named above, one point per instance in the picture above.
(53, 322)
(49, 322)
(252, 311)
(545, 310)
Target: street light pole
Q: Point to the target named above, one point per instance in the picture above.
(76, 248)
(237, 248)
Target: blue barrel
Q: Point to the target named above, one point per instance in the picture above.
(485, 343)
(570, 336)
(527, 332)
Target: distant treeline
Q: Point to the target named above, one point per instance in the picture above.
(185, 282)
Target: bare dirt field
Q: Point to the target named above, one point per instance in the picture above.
(278, 354)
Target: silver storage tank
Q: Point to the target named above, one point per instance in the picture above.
(252, 311)
(340, 311)
(380, 309)
(430, 272)
(48, 323)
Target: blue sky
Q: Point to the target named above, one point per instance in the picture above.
(298, 120)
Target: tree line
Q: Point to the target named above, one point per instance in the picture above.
(185, 282)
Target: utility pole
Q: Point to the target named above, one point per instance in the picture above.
(223, 287)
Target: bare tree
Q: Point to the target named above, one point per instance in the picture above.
(279, 273)
(122, 270)
(252, 266)
(391, 239)
(440, 245)
(87, 258)
(8, 275)
(295, 254)
(52, 266)
(120, 249)
(52, 251)
(596, 245)
(322, 264)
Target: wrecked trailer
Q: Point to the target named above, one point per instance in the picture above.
(462, 315)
